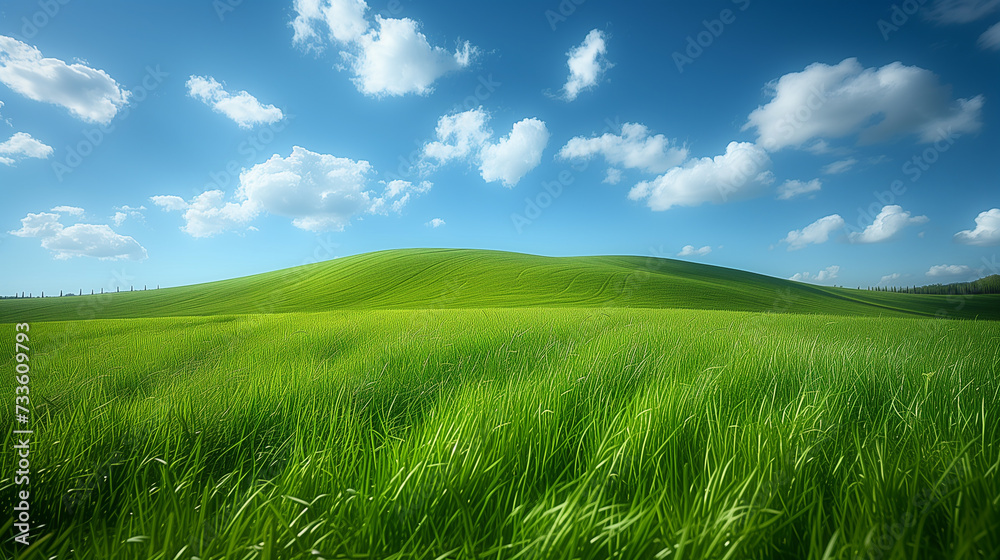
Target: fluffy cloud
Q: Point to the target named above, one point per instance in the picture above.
(990, 39)
(123, 213)
(741, 172)
(390, 57)
(241, 107)
(514, 155)
(319, 192)
(814, 233)
(466, 136)
(79, 240)
(839, 166)
(613, 176)
(961, 11)
(889, 222)
(89, 94)
(890, 278)
(950, 270)
(792, 188)
(586, 64)
(824, 102)
(435, 223)
(22, 145)
(634, 148)
(986, 232)
(345, 21)
(690, 250)
(825, 275)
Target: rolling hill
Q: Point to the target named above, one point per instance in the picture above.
(466, 278)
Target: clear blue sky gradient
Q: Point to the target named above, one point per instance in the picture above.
(171, 144)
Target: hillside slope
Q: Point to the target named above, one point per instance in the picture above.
(466, 278)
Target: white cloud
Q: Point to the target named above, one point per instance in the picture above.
(390, 57)
(889, 278)
(792, 188)
(586, 64)
(466, 135)
(435, 223)
(986, 232)
(79, 240)
(345, 20)
(839, 166)
(889, 222)
(690, 250)
(953, 270)
(89, 94)
(71, 210)
(458, 136)
(739, 173)
(123, 213)
(827, 274)
(634, 148)
(961, 11)
(22, 145)
(877, 104)
(814, 233)
(613, 176)
(990, 39)
(319, 192)
(241, 107)
(514, 155)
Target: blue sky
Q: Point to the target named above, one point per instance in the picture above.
(850, 143)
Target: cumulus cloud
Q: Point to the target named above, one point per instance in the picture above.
(21, 145)
(839, 166)
(691, 251)
(890, 221)
(79, 240)
(950, 270)
(960, 11)
(89, 94)
(825, 275)
(990, 39)
(741, 172)
(241, 107)
(390, 57)
(986, 232)
(514, 155)
(319, 192)
(634, 148)
(466, 135)
(824, 102)
(587, 63)
(435, 223)
(814, 233)
(792, 188)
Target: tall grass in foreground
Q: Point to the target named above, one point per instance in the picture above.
(531, 433)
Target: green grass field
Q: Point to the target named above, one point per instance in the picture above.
(416, 404)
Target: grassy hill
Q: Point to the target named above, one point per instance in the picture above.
(465, 278)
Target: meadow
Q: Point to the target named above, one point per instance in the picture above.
(585, 429)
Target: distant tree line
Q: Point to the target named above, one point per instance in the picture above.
(987, 285)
